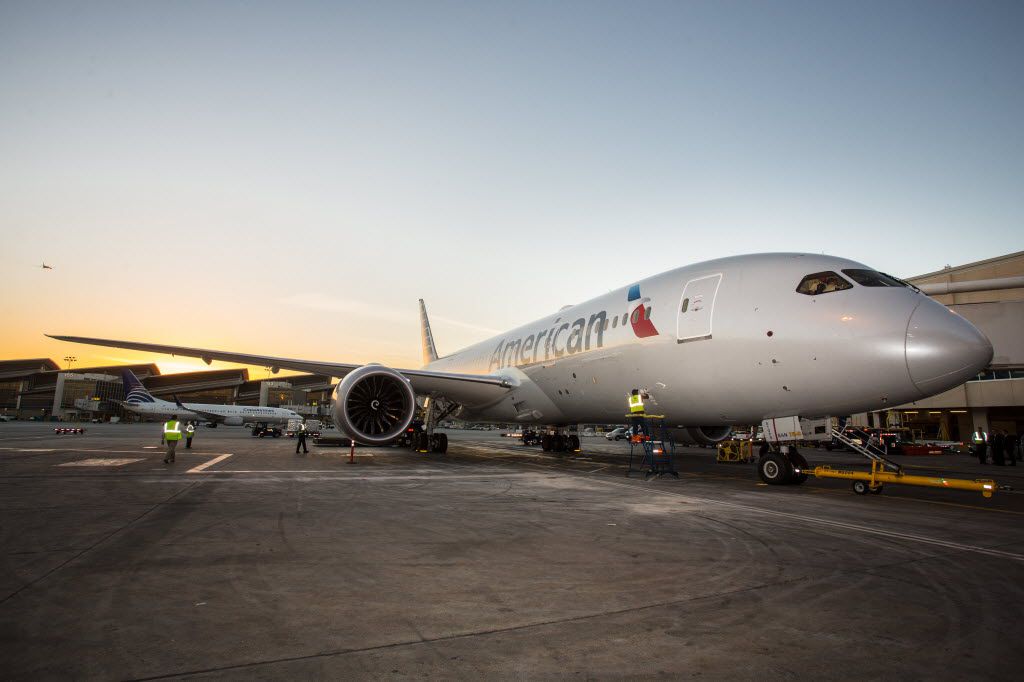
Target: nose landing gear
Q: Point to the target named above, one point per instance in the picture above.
(784, 466)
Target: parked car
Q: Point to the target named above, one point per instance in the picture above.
(621, 433)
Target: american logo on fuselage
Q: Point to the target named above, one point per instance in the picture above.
(568, 338)
(640, 318)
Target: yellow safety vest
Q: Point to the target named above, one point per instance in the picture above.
(636, 404)
(172, 430)
(190, 430)
(980, 438)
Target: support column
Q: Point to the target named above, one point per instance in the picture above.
(979, 417)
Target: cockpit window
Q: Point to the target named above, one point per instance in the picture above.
(871, 278)
(822, 283)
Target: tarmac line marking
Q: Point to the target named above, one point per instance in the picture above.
(99, 462)
(200, 468)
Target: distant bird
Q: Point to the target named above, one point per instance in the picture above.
(47, 267)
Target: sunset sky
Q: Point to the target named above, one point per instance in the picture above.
(288, 178)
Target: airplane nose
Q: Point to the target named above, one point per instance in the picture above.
(943, 349)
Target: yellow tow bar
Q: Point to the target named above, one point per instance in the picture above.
(865, 482)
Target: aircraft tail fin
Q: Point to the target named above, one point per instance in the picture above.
(429, 351)
(134, 392)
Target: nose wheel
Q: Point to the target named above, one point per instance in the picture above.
(779, 468)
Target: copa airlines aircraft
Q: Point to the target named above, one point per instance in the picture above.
(729, 341)
(139, 400)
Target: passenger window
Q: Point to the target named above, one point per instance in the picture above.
(636, 316)
(625, 318)
(647, 313)
(615, 322)
(606, 324)
(822, 283)
(871, 278)
(686, 304)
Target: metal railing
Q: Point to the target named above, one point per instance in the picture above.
(872, 452)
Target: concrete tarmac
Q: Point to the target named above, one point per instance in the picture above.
(243, 560)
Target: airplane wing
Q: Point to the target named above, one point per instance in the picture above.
(471, 390)
(209, 416)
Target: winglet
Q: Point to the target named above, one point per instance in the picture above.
(429, 351)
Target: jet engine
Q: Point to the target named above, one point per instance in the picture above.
(233, 421)
(374, 404)
(703, 435)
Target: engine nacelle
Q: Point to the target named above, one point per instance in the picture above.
(703, 435)
(233, 421)
(374, 404)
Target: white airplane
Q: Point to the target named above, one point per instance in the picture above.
(716, 344)
(139, 400)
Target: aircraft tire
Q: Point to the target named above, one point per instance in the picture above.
(574, 443)
(439, 443)
(559, 443)
(774, 469)
(545, 442)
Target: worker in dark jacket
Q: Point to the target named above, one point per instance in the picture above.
(996, 445)
(1010, 449)
(300, 435)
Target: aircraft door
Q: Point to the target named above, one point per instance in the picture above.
(696, 307)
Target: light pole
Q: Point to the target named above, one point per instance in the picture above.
(69, 359)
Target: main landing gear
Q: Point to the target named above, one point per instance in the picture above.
(426, 440)
(559, 442)
(430, 442)
(782, 466)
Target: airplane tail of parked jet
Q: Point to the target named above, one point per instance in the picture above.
(134, 392)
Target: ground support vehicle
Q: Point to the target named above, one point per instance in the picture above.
(262, 430)
(656, 448)
(865, 482)
(781, 463)
(735, 451)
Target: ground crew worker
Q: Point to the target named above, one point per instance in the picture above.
(190, 432)
(172, 434)
(980, 445)
(636, 411)
(301, 435)
(636, 403)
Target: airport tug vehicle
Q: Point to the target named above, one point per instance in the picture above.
(781, 463)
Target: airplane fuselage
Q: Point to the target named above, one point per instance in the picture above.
(228, 414)
(729, 341)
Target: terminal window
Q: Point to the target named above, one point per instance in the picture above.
(822, 283)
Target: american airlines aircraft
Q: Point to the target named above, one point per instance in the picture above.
(730, 341)
(139, 400)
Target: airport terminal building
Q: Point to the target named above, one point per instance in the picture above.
(39, 389)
